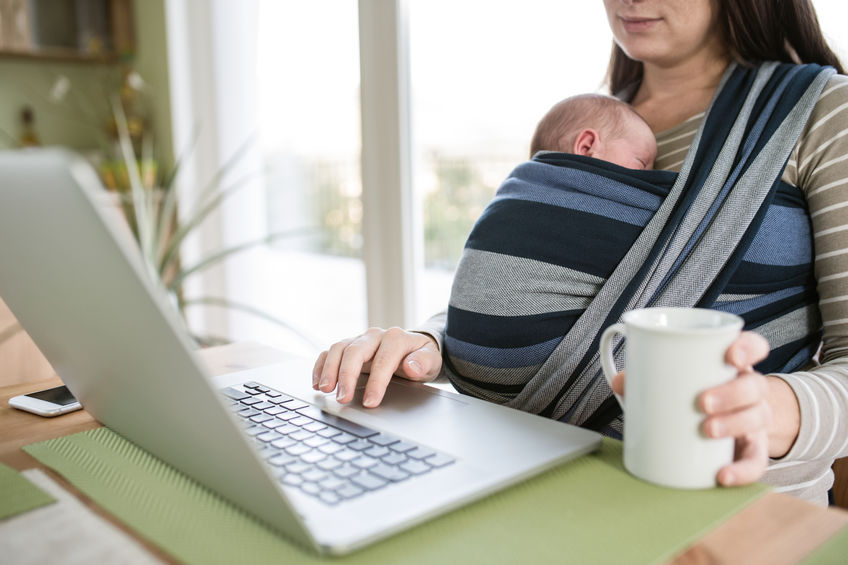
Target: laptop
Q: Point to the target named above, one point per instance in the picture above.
(329, 477)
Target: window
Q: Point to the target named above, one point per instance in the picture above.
(483, 74)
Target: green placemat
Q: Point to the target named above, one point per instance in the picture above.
(17, 494)
(586, 511)
(834, 551)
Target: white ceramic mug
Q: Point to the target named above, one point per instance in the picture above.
(672, 355)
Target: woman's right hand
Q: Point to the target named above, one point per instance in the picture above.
(382, 354)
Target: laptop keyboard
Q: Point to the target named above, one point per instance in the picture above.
(330, 458)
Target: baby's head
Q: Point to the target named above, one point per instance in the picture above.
(597, 126)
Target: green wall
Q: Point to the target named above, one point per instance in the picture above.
(78, 122)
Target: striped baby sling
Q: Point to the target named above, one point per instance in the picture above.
(570, 243)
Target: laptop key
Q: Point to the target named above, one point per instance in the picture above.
(329, 464)
(388, 472)
(384, 440)
(415, 467)
(330, 448)
(301, 435)
(251, 401)
(251, 384)
(269, 436)
(259, 418)
(262, 388)
(349, 491)
(377, 451)
(247, 412)
(317, 441)
(359, 445)
(273, 393)
(394, 458)
(298, 449)
(273, 424)
(440, 460)
(346, 471)
(314, 476)
(255, 430)
(281, 459)
(344, 438)
(364, 462)
(346, 455)
(329, 432)
(282, 398)
(314, 427)
(340, 423)
(294, 404)
(301, 421)
(274, 410)
(313, 456)
(368, 481)
(234, 393)
(288, 415)
(331, 483)
(298, 468)
(264, 405)
(283, 443)
(310, 488)
(402, 446)
(285, 428)
(421, 453)
(330, 498)
(292, 480)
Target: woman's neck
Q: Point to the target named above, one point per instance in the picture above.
(670, 95)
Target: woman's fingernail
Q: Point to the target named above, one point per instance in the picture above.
(323, 383)
(738, 357)
(370, 400)
(715, 428)
(729, 479)
(415, 366)
(340, 393)
(709, 403)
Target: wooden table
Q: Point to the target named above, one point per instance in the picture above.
(773, 530)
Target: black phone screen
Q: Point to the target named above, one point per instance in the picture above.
(59, 395)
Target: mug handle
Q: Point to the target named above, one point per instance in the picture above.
(607, 359)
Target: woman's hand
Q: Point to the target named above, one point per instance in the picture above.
(742, 409)
(382, 353)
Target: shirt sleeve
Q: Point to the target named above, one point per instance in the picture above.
(819, 166)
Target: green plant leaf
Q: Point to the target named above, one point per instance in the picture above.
(167, 214)
(141, 198)
(198, 217)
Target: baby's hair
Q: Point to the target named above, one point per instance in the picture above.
(570, 116)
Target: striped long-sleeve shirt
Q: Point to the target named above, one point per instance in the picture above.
(819, 166)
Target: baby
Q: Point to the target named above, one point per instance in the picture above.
(597, 126)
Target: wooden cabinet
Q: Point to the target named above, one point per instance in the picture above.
(67, 30)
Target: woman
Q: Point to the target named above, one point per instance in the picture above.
(668, 61)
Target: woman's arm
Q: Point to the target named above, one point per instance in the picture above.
(820, 168)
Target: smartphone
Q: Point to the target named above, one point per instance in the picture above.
(50, 402)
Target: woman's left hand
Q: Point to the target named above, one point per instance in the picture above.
(738, 409)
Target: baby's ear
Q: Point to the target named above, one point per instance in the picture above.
(586, 142)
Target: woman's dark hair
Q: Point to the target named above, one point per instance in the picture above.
(754, 31)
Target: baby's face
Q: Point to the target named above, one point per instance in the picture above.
(636, 149)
